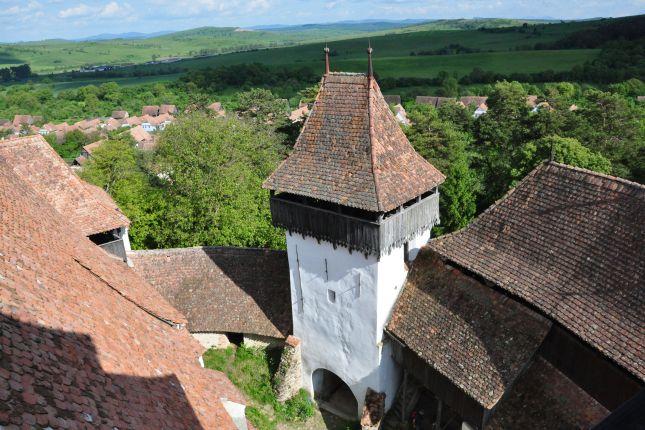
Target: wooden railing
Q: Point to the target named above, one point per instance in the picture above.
(355, 233)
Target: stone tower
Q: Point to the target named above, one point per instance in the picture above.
(357, 202)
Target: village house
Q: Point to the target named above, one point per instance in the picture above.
(26, 120)
(392, 100)
(86, 152)
(87, 207)
(434, 101)
(142, 139)
(120, 114)
(85, 341)
(150, 110)
(168, 109)
(401, 115)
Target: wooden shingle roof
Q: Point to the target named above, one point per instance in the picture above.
(572, 243)
(352, 151)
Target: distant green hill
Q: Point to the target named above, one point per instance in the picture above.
(54, 56)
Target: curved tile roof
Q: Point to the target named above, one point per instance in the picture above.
(87, 207)
(85, 342)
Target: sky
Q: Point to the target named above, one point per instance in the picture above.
(69, 19)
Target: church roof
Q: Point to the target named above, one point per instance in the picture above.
(471, 334)
(223, 289)
(571, 243)
(88, 207)
(352, 152)
(85, 341)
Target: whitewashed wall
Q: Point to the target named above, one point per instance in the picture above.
(346, 337)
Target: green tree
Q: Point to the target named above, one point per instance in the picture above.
(458, 198)
(563, 150)
(449, 87)
(212, 172)
(261, 105)
(448, 149)
(114, 166)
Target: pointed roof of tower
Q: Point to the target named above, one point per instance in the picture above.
(352, 151)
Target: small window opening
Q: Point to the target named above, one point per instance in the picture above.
(406, 252)
(331, 296)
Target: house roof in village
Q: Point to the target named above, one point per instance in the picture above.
(392, 99)
(473, 100)
(141, 137)
(352, 151)
(85, 340)
(570, 242)
(471, 334)
(240, 290)
(92, 146)
(168, 109)
(119, 114)
(434, 101)
(87, 207)
(150, 110)
(543, 398)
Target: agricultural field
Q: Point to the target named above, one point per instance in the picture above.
(55, 56)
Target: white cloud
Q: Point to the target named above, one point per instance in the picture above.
(114, 9)
(15, 10)
(79, 10)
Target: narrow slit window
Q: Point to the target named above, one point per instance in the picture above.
(331, 296)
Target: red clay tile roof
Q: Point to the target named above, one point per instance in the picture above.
(240, 290)
(545, 399)
(92, 146)
(150, 110)
(84, 339)
(38, 165)
(570, 242)
(169, 109)
(351, 151)
(478, 338)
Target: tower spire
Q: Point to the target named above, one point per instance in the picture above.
(370, 70)
(326, 59)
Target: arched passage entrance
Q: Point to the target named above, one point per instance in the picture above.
(334, 395)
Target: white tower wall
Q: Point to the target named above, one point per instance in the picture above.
(346, 336)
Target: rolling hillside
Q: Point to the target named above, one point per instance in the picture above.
(54, 56)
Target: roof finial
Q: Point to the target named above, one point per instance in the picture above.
(326, 59)
(370, 70)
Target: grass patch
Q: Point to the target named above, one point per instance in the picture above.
(251, 370)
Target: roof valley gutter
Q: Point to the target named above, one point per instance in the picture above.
(143, 308)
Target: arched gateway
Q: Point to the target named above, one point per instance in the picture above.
(333, 394)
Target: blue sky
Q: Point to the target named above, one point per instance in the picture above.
(40, 19)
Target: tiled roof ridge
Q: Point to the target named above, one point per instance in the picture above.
(598, 174)
(370, 82)
(189, 249)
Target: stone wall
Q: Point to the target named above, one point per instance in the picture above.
(258, 341)
(288, 378)
(212, 340)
